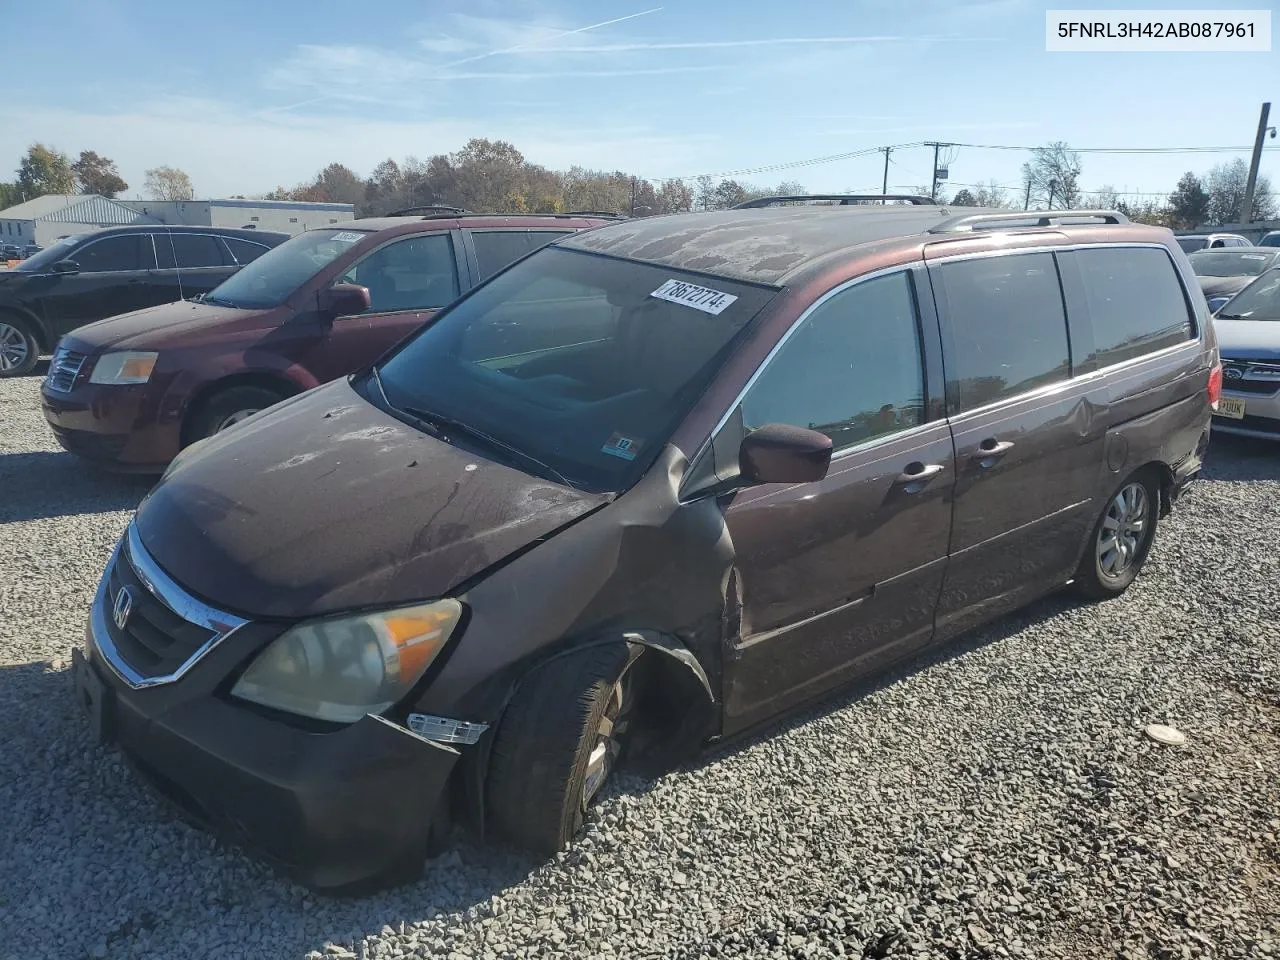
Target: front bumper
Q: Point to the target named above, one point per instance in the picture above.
(1261, 415)
(329, 809)
(119, 426)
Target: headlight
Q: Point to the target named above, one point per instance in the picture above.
(127, 366)
(343, 668)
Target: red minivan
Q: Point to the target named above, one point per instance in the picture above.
(130, 391)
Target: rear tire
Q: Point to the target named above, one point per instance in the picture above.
(559, 740)
(1121, 538)
(19, 348)
(228, 407)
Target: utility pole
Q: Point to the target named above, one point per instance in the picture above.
(933, 190)
(884, 188)
(1026, 203)
(1246, 207)
(1053, 185)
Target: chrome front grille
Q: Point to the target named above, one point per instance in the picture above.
(63, 370)
(148, 629)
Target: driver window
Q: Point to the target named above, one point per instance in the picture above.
(415, 273)
(852, 371)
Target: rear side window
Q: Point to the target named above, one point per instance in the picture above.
(1191, 244)
(852, 370)
(243, 250)
(495, 249)
(1008, 327)
(1136, 304)
(115, 254)
(189, 250)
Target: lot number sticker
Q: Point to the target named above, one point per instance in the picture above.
(691, 295)
(347, 237)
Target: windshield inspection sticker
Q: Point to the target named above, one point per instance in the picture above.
(347, 237)
(691, 295)
(620, 446)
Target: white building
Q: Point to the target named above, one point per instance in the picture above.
(45, 219)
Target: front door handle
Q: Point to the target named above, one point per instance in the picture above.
(917, 475)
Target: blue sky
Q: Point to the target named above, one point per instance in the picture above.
(264, 94)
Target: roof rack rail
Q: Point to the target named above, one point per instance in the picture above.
(592, 213)
(437, 209)
(1050, 218)
(844, 198)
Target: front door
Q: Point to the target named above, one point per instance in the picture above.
(115, 277)
(1029, 439)
(408, 279)
(839, 576)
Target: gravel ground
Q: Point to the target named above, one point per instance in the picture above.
(996, 799)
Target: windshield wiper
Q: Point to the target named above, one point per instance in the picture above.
(216, 301)
(438, 425)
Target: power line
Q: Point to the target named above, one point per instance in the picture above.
(834, 157)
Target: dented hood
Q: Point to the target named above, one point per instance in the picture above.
(326, 503)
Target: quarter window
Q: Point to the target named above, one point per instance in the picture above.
(114, 254)
(496, 249)
(1136, 304)
(1008, 327)
(411, 274)
(852, 370)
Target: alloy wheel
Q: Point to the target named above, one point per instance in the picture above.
(610, 734)
(14, 349)
(1123, 528)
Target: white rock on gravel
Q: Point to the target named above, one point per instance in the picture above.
(995, 799)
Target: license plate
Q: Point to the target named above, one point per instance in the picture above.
(94, 697)
(1230, 407)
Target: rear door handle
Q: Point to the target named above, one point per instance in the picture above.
(991, 450)
(917, 475)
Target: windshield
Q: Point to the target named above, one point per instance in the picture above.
(1260, 300)
(582, 362)
(51, 254)
(1229, 263)
(268, 280)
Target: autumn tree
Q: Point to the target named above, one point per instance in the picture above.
(44, 170)
(168, 183)
(8, 195)
(97, 174)
(729, 193)
(674, 197)
(1189, 202)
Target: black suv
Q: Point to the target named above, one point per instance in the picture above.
(95, 275)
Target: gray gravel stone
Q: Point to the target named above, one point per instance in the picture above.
(994, 799)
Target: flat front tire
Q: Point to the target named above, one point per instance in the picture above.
(1121, 539)
(560, 739)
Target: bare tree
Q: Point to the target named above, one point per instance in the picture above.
(991, 194)
(168, 183)
(1054, 175)
(1104, 198)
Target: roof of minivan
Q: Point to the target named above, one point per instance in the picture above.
(186, 228)
(761, 245)
(774, 245)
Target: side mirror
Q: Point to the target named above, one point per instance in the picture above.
(779, 453)
(65, 266)
(1217, 303)
(344, 299)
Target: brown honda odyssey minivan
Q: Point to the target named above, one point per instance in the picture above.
(649, 486)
